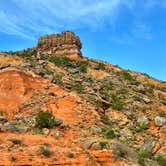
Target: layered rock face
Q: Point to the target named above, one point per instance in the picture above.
(64, 44)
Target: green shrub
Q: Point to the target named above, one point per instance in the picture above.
(102, 104)
(57, 79)
(77, 87)
(12, 159)
(163, 101)
(37, 131)
(108, 132)
(48, 72)
(105, 90)
(28, 54)
(119, 152)
(125, 75)
(88, 79)
(103, 144)
(122, 91)
(15, 141)
(142, 155)
(70, 155)
(100, 66)
(141, 126)
(161, 160)
(150, 88)
(162, 113)
(45, 151)
(117, 103)
(105, 119)
(45, 120)
(60, 61)
(83, 65)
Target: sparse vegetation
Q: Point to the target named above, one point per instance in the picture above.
(57, 79)
(83, 65)
(108, 132)
(60, 61)
(163, 101)
(143, 154)
(45, 120)
(77, 87)
(70, 155)
(161, 160)
(115, 100)
(69, 63)
(117, 103)
(12, 159)
(48, 72)
(103, 144)
(150, 88)
(125, 75)
(3, 112)
(141, 126)
(100, 66)
(15, 141)
(44, 150)
(28, 54)
(105, 119)
(119, 152)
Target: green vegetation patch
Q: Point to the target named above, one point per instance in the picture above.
(45, 120)
(117, 103)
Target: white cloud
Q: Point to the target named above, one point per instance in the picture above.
(30, 18)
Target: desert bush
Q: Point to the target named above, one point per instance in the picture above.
(28, 54)
(70, 155)
(150, 88)
(83, 66)
(108, 132)
(116, 103)
(77, 87)
(161, 160)
(141, 126)
(12, 159)
(143, 154)
(59, 60)
(57, 79)
(105, 119)
(15, 141)
(45, 151)
(48, 72)
(45, 120)
(119, 152)
(104, 144)
(125, 75)
(100, 66)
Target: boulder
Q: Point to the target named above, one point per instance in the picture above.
(92, 144)
(143, 120)
(58, 121)
(58, 134)
(159, 121)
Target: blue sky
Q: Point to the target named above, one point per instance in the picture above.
(129, 33)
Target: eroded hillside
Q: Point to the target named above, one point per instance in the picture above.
(60, 111)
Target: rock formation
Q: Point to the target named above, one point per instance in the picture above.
(64, 44)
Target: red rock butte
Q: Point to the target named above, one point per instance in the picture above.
(64, 44)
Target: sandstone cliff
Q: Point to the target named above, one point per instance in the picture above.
(64, 44)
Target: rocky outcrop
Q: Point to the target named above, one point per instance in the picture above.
(64, 44)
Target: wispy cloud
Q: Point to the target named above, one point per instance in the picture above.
(30, 18)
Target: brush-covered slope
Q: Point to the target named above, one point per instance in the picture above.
(59, 111)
